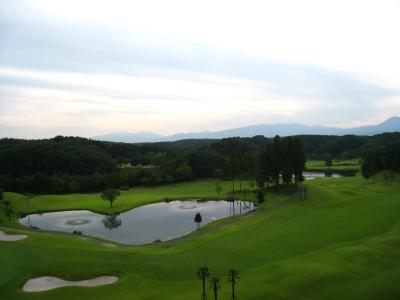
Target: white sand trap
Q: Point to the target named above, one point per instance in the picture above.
(46, 283)
(11, 237)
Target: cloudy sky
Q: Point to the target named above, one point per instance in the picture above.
(90, 67)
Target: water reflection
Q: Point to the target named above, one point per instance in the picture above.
(145, 224)
(112, 221)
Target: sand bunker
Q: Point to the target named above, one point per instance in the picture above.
(11, 237)
(46, 283)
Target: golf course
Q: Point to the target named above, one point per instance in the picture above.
(341, 242)
(199, 150)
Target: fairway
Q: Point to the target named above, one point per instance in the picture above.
(187, 150)
(129, 199)
(340, 243)
(348, 164)
(134, 197)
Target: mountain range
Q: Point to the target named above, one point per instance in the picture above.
(284, 129)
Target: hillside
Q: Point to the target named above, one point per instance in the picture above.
(268, 130)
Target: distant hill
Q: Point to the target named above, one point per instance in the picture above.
(390, 125)
(268, 130)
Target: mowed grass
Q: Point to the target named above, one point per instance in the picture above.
(342, 242)
(348, 164)
(127, 200)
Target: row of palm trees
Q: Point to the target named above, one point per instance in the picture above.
(215, 281)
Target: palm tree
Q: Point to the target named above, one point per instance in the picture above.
(232, 278)
(203, 273)
(215, 285)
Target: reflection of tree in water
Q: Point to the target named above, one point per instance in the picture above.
(111, 221)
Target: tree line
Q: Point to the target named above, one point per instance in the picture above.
(72, 164)
(281, 162)
(381, 158)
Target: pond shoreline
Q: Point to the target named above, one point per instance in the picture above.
(142, 225)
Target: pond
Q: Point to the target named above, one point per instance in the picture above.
(315, 173)
(312, 175)
(145, 224)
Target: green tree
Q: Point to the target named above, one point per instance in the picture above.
(299, 160)
(263, 169)
(218, 173)
(8, 211)
(110, 195)
(198, 219)
(159, 159)
(287, 160)
(184, 172)
(249, 162)
(328, 160)
(1, 193)
(218, 186)
(252, 184)
(215, 285)
(233, 277)
(203, 273)
(261, 196)
(276, 160)
(75, 186)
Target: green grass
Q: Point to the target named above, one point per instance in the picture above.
(127, 200)
(349, 164)
(342, 242)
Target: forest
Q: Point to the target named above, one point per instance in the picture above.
(72, 164)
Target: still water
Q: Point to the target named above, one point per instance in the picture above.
(145, 224)
(313, 175)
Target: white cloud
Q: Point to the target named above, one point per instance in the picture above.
(110, 102)
(358, 36)
(147, 65)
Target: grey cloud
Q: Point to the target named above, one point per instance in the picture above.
(50, 46)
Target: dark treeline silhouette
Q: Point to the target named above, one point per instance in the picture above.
(281, 161)
(72, 164)
(75, 156)
(381, 158)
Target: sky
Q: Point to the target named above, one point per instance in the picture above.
(75, 67)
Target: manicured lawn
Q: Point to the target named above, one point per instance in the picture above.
(342, 242)
(349, 164)
(129, 199)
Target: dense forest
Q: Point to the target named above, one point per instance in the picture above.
(72, 164)
(381, 158)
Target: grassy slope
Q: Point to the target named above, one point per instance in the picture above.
(341, 243)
